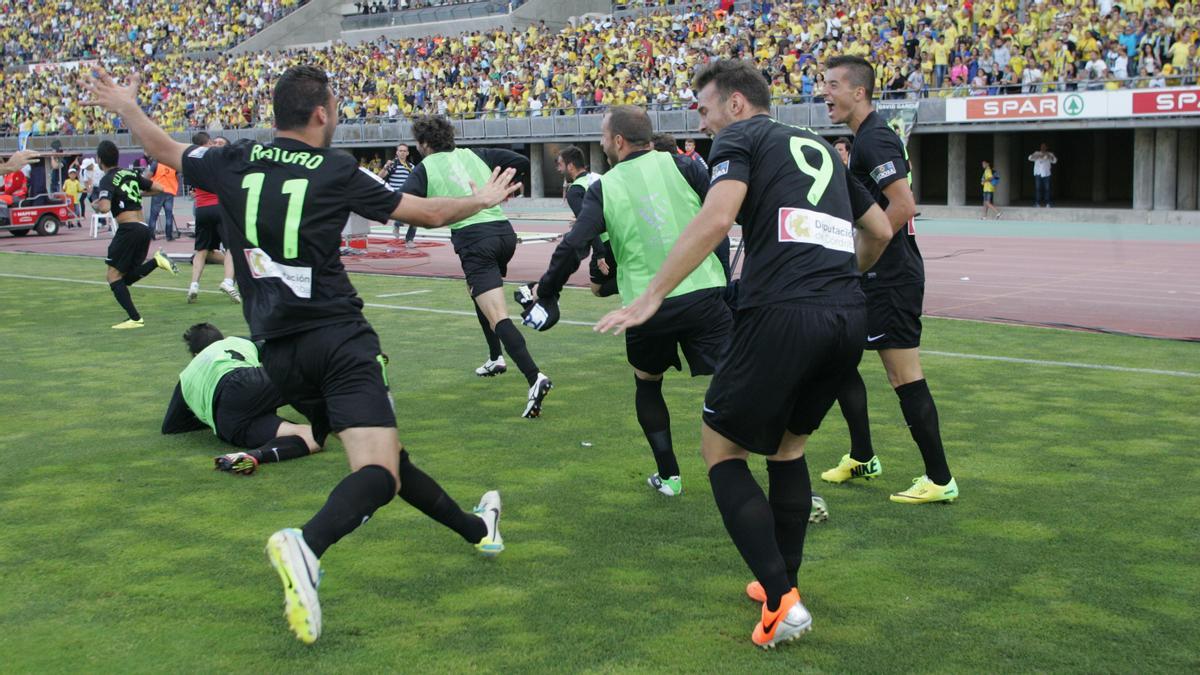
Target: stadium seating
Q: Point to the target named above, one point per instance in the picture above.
(70, 30)
(645, 59)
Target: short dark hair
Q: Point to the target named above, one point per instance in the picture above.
(664, 142)
(844, 141)
(574, 156)
(631, 123)
(861, 72)
(108, 154)
(299, 91)
(736, 75)
(201, 335)
(434, 131)
(200, 138)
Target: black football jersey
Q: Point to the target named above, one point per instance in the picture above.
(123, 189)
(798, 215)
(286, 204)
(878, 159)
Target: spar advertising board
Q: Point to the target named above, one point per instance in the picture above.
(1075, 105)
(1167, 102)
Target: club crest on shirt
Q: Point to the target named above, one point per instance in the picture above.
(883, 171)
(719, 170)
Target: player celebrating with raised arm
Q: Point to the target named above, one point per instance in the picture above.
(800, 323)
(120, 194)
(288, 201)
(694, 316)
(895, 290)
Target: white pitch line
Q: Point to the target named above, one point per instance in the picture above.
(394, 295)
(589, 324)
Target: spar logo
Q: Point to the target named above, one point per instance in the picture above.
(1177, 102)
(1013, 107)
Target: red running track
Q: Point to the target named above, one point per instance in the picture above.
(1140, 287)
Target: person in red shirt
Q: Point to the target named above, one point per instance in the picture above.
(208, 233)
(16, 186)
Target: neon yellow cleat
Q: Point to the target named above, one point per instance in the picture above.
(129, 323)
(848, 469)
(924, 491)
(300, 572)
(165, 263)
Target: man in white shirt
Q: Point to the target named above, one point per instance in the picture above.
(1042, 159)
(1031, 79)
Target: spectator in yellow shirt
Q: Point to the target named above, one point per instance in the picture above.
(73, 189)
(988, 182)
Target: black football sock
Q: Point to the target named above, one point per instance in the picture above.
(920, 414)
(411, 234)
(493, 342)
(280, 450)
(140, 272)
(655, 419)
(791, 501)
(423, 492)
(350, 504)
(852, 399)
(514, 344)
(751, 525)
(608, 287)
(121, 291)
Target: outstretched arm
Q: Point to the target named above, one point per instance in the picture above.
(442, 211)
(104, 92)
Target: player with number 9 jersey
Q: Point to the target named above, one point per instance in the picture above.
(797, 218)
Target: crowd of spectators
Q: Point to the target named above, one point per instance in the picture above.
(385, 6)
(919, 48)
(70, 30)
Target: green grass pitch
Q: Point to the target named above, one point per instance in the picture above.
(1073, 547)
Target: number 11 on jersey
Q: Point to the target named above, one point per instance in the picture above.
(295, 190)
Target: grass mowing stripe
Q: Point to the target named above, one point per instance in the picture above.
(570, 322)
(1069, 550)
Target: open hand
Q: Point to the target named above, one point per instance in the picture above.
(19, 160)
(499, 187)
(104, 92)
(637, 313)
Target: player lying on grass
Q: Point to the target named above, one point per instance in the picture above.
(225, 389)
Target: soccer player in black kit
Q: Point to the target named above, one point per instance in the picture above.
(579, 177)
(288, 201)
(485, 243)
(799, 328)
(120, 194)
(895, 290)
(695, 319)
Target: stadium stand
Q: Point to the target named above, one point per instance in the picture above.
(645, 59)
(69, 30)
